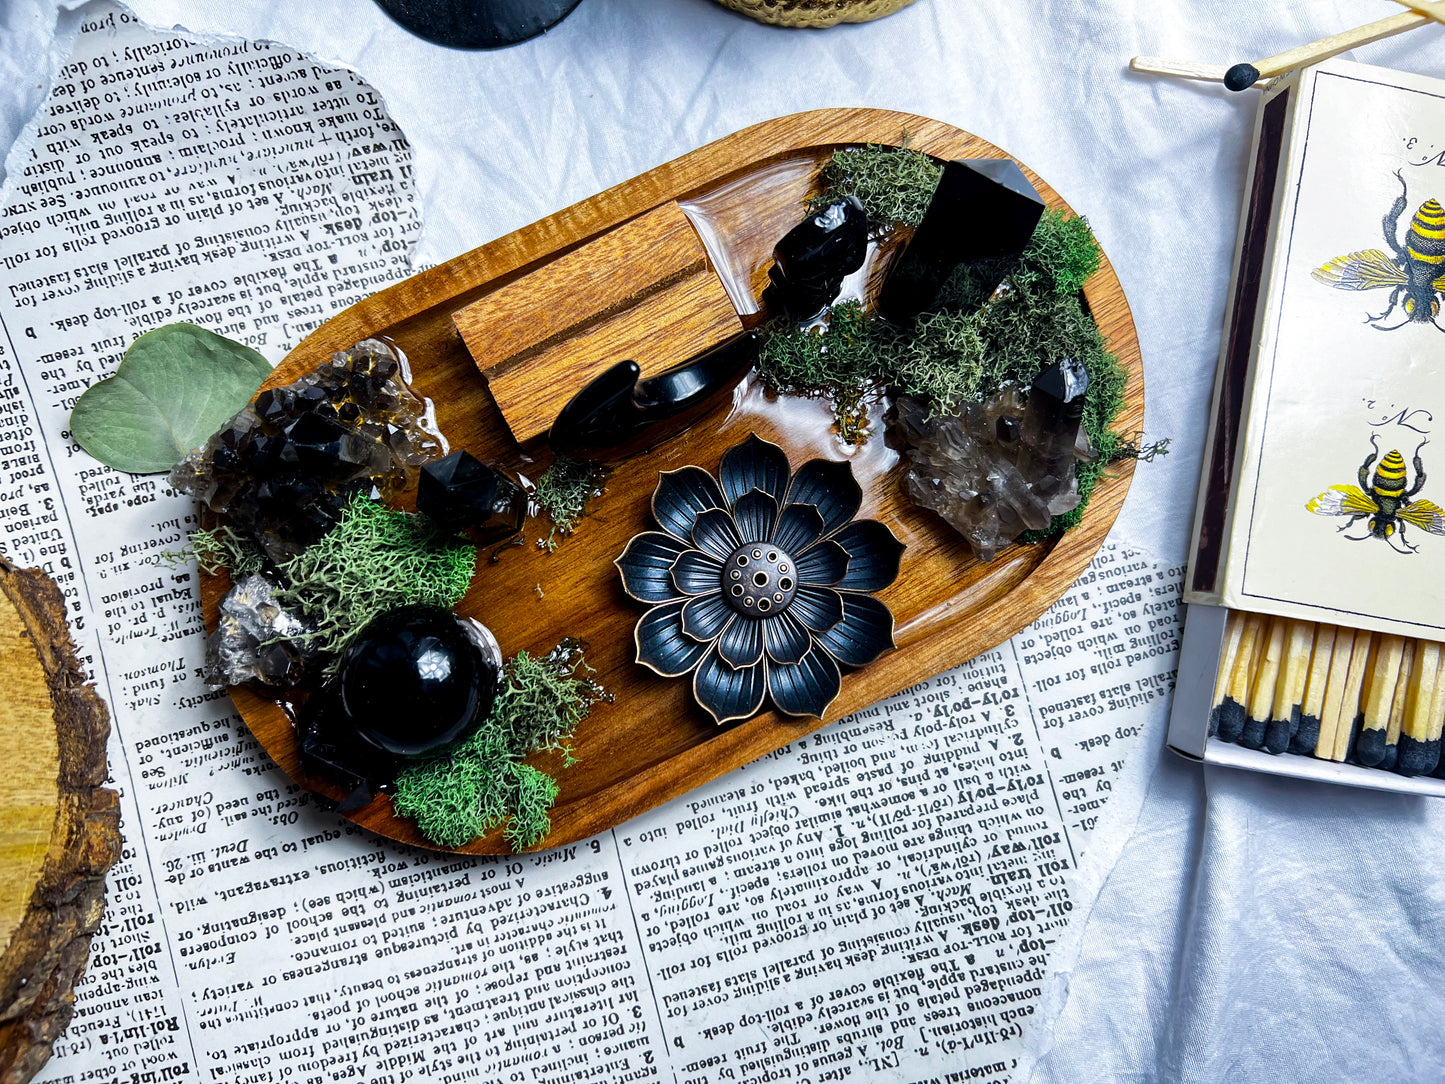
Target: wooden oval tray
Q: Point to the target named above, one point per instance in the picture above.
(654, 744)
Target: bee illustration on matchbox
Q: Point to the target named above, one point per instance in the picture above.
(1414, 275)
(1383, 500)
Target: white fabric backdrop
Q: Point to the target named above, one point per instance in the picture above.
(1254, 927)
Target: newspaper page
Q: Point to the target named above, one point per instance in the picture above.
(876, 901)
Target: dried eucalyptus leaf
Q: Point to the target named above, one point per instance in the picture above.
(175, 386)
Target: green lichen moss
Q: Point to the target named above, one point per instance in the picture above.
(894, 184)
(221, 550)
(375, 559)
(563, 492)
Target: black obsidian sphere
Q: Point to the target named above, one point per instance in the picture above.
(419, 677)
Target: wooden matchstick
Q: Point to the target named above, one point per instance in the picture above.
(1243, 76)
(1289, 687)
(1351, 707)
(1419, 734)
(1182, 69)
(1377, 697)
(1261, 689)
(1233, 631)
(1403, 684)
(1233, 708)
(1330, 710)
(1307, 728)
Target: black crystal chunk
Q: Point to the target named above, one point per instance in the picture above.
(814, 257)
(328, 748)
(417, 678)
(477, 24)
(1056, 397)
(984, 209)
(460, 491)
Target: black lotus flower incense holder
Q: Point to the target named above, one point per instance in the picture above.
(760, 582)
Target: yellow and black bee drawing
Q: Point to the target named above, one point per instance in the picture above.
(1385, 500)
(1413, 275)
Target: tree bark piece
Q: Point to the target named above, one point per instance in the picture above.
(59, 828)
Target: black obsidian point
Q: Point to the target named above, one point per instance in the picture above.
(1057, 394)
(460, 491)
(984, 209)
(815, 256)
(417, 678)
(477, 24)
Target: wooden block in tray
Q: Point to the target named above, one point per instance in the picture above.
(643, 291)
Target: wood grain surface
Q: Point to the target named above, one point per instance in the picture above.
(59, 829)
(653, 744)
(641, 292)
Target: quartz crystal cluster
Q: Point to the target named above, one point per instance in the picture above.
(257, 641)
(1002, 466)
(281, 470)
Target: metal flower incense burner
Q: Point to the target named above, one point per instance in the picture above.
(760, 582)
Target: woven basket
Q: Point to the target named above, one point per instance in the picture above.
(814, 13)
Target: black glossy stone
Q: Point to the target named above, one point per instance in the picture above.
(477, 24)
(328, 748)
(1056, 397)
(814, 257)
(618, 414)
(417, 678)
(984, 209)
(460, 491)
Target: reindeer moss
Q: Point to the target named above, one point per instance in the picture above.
(563, 492)
(894, 184)
(219, 550)
(375, 559)
(478, 782)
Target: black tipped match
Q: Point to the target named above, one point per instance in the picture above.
(1387, 762)
(1370, 746)
(1231, 720)
(1417, 757)
(1241, 77)
(1276, 735)
(1307, 737)
(1252, 736)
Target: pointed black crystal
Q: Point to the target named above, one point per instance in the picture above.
(1056, 397)
(460, 491)
(984, 209)
(814, 257)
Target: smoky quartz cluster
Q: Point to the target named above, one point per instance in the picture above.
(257, 640)
(281, 470)
(1004, 466)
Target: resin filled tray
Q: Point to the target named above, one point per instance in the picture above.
(654, 743)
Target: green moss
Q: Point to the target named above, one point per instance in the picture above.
(375, 559)
(481, 780)
(894, 184)
(217, 551)
(978, 338)
(840, 361)
(563, 492)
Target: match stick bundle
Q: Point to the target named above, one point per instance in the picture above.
(1335, 693)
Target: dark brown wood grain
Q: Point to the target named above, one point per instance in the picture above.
(653, 744)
